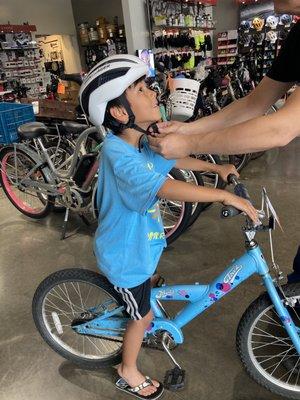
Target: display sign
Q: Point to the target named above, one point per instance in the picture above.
(17, 28)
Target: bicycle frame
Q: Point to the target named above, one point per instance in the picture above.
(53, 175)
(199, 298)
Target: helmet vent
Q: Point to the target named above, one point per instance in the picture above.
(101, 80)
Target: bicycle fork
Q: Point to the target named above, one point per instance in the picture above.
(282, 311)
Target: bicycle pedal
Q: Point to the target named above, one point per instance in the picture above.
(174, 379)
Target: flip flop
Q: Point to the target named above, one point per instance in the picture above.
(121, 384)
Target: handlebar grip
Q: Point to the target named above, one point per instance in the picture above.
(229, 211)
(239, 190)
(232, 179)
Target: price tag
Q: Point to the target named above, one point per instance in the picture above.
(61, 89)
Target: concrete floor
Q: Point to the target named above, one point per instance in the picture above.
(31, 250)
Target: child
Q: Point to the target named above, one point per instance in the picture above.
(130, 236)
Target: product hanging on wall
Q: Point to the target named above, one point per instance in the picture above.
(180, 32)
(102, 40)
(20, 61)
(261, 35)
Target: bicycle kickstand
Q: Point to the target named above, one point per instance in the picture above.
(64, 227)
(174, 378)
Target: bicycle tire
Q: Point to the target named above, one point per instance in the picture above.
(53, 336)
(252, 358)
(18, 203)
(240, 160)
(184, 212)
(200, 207)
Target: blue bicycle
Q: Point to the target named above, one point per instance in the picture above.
(78, 314)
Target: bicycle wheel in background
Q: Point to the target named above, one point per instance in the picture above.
(195, 178)
(210, 179)
(175, 214)
(240, 160)
(31, 201)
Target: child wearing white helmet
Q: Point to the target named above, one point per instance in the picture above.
(130, 237)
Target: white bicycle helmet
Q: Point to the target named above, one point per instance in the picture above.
(107, 81)
(272, 21)
(272, 36)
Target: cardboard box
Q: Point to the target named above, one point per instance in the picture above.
(54, 108)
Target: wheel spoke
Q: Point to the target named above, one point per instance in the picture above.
(70, 300)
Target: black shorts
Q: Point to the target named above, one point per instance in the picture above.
(136, 300)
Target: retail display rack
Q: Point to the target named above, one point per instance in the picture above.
(20, 60)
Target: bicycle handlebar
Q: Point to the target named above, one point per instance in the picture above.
(239, 190)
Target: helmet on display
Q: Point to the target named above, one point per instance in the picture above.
(285, 19)
(272, 36)
(272, 21)
(107, 81)
(258, 23)
(258, 37)
(244, 39)
(245, 25)
(283, 34)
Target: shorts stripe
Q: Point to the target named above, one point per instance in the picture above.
(132, 307)
(135, 306)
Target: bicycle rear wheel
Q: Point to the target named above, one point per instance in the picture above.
(69, 297)
(31, 201)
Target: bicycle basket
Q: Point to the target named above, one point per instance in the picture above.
(183, 98)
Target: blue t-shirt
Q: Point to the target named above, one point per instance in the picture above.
(130, 235)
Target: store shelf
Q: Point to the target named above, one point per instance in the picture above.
(18, 48)
(227, 55)
(5, 92)
(168, 27)
(229, 46)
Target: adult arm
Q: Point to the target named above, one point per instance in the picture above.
(257, 134)
(257, 103)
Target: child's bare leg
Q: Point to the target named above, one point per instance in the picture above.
(131, 346)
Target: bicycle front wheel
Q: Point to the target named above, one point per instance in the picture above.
(265, 347)
(16, 167)
(69, 296)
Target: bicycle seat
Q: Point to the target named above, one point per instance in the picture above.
(73, 127)
(32, 130)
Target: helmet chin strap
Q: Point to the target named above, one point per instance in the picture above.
(132, 125)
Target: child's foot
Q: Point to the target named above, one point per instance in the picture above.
(135, 378)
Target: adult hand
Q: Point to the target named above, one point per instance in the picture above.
(172, 146)
(165, 128)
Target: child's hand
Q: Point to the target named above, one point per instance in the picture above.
(241, 204)
(226, 169)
